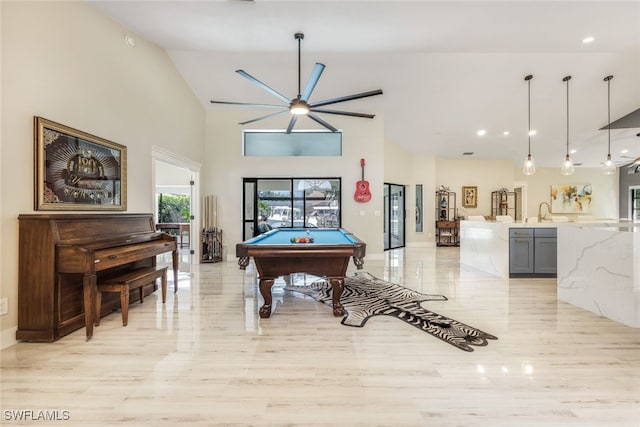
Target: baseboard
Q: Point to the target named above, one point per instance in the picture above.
(421, 245)
(8, 337)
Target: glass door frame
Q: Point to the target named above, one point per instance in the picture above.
(389, 217)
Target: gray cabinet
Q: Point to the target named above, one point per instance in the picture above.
(521, 250)
(546, 251)
(532, 252)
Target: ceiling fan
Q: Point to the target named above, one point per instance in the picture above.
(628, 161)
(300, 105)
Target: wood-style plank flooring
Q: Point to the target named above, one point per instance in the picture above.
(205, 358)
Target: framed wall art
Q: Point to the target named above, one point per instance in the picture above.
(469, 197)
(77, 171)
(574, 198)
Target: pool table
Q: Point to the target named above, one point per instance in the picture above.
(328, 256)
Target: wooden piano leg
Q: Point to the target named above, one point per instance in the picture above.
(175, 271)
(89, 290)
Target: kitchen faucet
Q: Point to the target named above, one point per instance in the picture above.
(540, 216)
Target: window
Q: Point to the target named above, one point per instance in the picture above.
(291, 202)
(297, 143)
(419, 209)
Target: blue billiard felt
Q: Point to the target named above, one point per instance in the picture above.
(321, 236)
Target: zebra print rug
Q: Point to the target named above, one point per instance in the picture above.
(366, 296)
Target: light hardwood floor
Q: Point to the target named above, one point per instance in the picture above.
(205, 359)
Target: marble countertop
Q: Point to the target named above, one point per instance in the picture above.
(610, 224)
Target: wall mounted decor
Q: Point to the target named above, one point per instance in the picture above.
(574, 198)
(469, 197)
(77, 171)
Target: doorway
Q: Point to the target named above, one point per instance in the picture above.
(394, 216)
(176, 207)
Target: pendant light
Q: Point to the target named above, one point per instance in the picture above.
(529, 167)
(609, 167)
(567, 165)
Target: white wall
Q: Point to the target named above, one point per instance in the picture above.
(66, 62)
(401, 167)
(487, 175)
(226, 167)
(605, 202)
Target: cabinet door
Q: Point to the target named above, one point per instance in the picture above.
(521, 255)
(546, 258)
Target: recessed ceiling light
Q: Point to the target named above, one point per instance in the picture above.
(588, 40)
(482, 132)
(532, 132)
(505, 133)
(625, 151)
(574, 151)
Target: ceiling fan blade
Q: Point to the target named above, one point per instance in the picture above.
(263, 117)
(292, 123)
(313, 80)
(252, 104)
(343, 113)
(264, 86)
(347, 98)
(322, 122)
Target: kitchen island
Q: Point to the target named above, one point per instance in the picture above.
(599, 270)
(485, 245)
(598, 263)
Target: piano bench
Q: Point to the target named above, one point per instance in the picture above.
(127, 281)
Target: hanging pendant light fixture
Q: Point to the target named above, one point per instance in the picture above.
(567, 165)
(529, 167)
(609, 167)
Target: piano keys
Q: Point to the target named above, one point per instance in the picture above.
(63, 256)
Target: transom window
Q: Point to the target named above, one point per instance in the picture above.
(265, 143)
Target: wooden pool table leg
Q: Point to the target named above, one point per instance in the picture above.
(338, 286)
(265, 290)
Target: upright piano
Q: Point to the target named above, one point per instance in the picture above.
(63, 256)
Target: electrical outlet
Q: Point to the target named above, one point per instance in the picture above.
(4, 306)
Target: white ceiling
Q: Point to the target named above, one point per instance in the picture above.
(447, 68)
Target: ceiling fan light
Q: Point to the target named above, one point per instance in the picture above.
(567, 166)
(529, 167)
(609, 168)
(298, 108)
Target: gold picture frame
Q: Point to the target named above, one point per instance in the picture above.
(469, 197)
(75, 170)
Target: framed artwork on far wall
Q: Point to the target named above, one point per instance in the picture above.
(572, 198)
(469, 197)
(77, 171)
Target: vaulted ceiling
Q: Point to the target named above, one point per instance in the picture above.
(447, 68)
